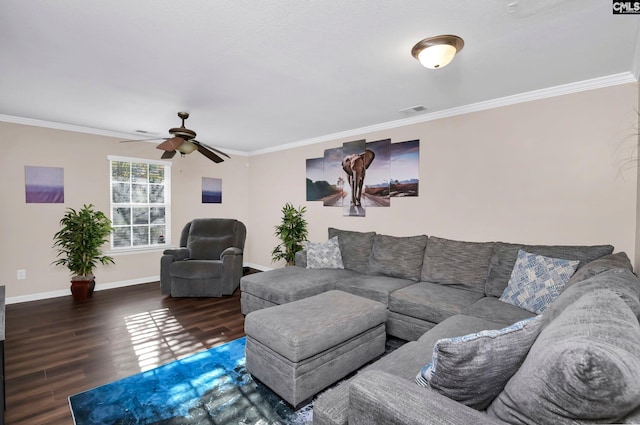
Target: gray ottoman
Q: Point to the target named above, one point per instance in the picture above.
(300, 348)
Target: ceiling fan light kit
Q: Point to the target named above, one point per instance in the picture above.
(186, 147)
(183, 141)
(437, 52)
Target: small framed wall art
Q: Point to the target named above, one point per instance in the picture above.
(211, 190)
(44, 185)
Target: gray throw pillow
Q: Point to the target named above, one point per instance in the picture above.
(619, 260)
(583, 368)
(473, 369)
(621, 282)
(505, 255)
(457, 263)
(355, 248)
(324, 255)
(397, 256)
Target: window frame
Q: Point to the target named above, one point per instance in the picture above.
(166, 204)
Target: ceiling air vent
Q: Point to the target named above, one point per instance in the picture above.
(413, 109)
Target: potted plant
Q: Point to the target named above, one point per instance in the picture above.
(292, 232)
(78, 244)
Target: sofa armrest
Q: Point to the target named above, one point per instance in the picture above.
(179, 254)
(377, 397)
(169, 256)
(230, 251)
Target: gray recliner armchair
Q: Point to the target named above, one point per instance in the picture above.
(208, 262)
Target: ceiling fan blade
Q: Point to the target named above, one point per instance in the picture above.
(168, 154)
(140, 140)
(170, 144)
(212, 149)
(206, 152)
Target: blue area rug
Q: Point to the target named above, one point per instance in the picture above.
(211, 387)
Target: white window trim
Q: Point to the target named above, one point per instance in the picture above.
(148, 248)
(141, 160)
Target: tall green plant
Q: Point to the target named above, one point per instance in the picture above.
(78, 242)
(292, 232)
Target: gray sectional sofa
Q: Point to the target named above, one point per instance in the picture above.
(437, 288)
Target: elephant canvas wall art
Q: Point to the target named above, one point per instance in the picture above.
(317, 186)
(334, 175)
(405, 163)
(354, 164)
(376, 188)
(363, 174)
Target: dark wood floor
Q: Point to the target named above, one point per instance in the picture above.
(55, 348)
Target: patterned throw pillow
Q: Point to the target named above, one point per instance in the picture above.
(324, 255)
(537, 280)
(473, 369)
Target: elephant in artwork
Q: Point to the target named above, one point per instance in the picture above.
(355, 166)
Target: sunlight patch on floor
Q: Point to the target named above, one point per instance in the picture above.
(157, 337)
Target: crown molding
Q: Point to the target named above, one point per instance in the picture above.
(580, 86)
(592, 84)
(70, 127)
(90, 130)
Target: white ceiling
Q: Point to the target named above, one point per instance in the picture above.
(260, 74)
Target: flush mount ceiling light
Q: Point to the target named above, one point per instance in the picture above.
(436, 52)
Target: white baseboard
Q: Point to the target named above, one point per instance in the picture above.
(102, 286)
(258, 267)
(67, 292)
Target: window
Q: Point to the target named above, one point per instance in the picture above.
(140, 203)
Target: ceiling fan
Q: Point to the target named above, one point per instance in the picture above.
(183, 141)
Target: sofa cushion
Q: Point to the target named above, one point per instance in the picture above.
(407, 360)
(473, 369)
(383, 399)
(287, 284)
(619, 260)
(491, 308)
(582, 367)
(196, 269)
(397, 256)
(375, 288)
(459, 263)
(537, 280)
(324, 255)
(622, 282)
(208, 247)
(406, 327)
(505, 255)
(355, 248)
(331, 407)
(431, 301)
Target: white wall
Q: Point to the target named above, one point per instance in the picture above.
(546, 171)
(27, 229)
(549, 171)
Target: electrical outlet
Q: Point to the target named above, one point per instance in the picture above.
(22, 274)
